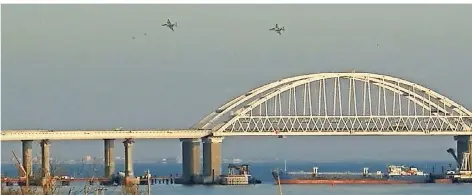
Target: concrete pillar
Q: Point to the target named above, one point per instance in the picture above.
(464, 144)
(45, 155)
(27, 156)
(470, 152)
(109, 158)
(212, 156)
(190, 159)
(128, 143)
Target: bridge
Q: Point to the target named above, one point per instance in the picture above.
(18, 135)
(322, 104)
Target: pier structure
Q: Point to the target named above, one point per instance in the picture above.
(109, 146)
(191, 173)
(128, 144)
(27, 156)
(45, 144)
(190, 160)
(45, 159)
(464, 145)
(211, 158)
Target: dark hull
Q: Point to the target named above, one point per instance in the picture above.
(457, 180)
(345, 181)
(346, 178)
(443, 178)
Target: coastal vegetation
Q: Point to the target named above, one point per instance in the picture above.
(49, 186)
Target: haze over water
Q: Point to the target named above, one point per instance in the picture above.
(77, 67)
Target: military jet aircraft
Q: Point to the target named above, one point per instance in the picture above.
(277, 29)
(170, 25)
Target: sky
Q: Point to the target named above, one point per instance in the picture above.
(77, 67)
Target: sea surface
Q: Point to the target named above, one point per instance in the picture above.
(262, 172)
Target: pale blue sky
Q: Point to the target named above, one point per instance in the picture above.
(76, 66)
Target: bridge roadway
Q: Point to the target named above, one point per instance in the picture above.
(18, 135)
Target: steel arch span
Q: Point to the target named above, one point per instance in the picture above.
(339, 104)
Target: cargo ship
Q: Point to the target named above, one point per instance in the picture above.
(394, 175)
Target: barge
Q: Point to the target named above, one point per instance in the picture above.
(394, 175)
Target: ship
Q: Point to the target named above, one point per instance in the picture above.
(238, 175)
(394, 175)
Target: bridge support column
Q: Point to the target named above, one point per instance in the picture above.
(212, 157)
(464, 144)
(190, 160)
(45, 156)
(128, 143)
(109, 158)
(27, 156)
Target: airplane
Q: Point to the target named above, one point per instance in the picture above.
(170, 25)
(118, 129)
(134, 38)
(277, 29)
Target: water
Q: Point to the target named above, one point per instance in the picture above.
(270, 189)
(262, 172)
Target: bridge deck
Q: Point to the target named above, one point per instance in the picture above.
(17, 135)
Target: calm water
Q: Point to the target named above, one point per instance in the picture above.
(262, 171)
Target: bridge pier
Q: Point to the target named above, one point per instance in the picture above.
(190, 160)
(109, 158)
(128, 143)
(45, 156)
(27, 156)
(212, 158)
(464, 144)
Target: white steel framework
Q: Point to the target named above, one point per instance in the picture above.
(339, 104)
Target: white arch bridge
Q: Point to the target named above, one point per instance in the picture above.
(339, 104)
(312, 104)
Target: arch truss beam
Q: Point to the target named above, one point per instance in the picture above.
(419, 125)
(339, 103)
